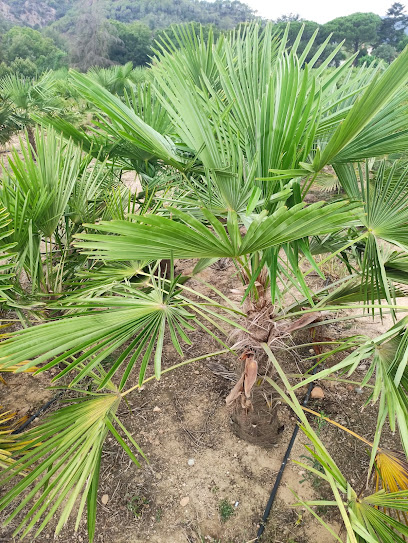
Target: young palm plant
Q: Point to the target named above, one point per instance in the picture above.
(48, 195)
(239, 131)
(25, 96)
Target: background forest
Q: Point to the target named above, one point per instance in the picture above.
(48, 34)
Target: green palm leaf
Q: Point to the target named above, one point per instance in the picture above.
(127, 125)
(42, 183)
(363, 518)
(389, 360)
(8, 264)
(384, 197)
(60, 461)
(130, 322)
(154, 237)
(379, 93)
(396, 267)
(377, 525)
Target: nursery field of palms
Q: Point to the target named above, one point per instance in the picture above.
(197, 259)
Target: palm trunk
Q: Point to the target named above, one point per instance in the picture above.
(165, 268)
(31, 138)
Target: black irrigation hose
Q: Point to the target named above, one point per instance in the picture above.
(278, 478)
(282, 468)
(37, 414)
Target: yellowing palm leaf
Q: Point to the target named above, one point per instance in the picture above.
(391, 470)
(9, 443)
(63, 456)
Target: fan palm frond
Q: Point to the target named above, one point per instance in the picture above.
(10, 445)
(60, 460)
(131, 319)
(6, 253)
(152, 237)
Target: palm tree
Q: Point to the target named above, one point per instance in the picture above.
(25, 96)
(9, 123)
(247, 128)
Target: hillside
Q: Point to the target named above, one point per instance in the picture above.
(35, 13)
(27, 12)
(40, 35)
(161, 13)
(153, 13)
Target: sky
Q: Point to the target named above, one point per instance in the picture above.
(320, 11)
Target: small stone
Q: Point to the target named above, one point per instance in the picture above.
(359, 390)
(80, 538)
(196, 372)
(156, 409)
(184, 501)
(158, 476)
(363, 367)
(191, 462)
(317, 393)
(105, 499)
(311, 351)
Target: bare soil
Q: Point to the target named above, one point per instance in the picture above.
(197, 460)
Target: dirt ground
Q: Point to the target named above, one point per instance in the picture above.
(203, 483)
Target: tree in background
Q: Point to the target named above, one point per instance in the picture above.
(30, 45)
(392, 28)
(386, 52)
(225, 14)
(20, 67)
(4, 25)
(133, 44)
(106, 32)
(358, 30)
(93, 37)
(295, 26)
(290, 18)
(59, 39)
(24, 96)
(402, 43)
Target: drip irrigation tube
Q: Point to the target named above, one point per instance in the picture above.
(275, 488)
(282, 468)
(37, 414)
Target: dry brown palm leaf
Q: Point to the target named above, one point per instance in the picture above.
(298, 324)
(250, 372)
(247, 380)
(236, 391)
